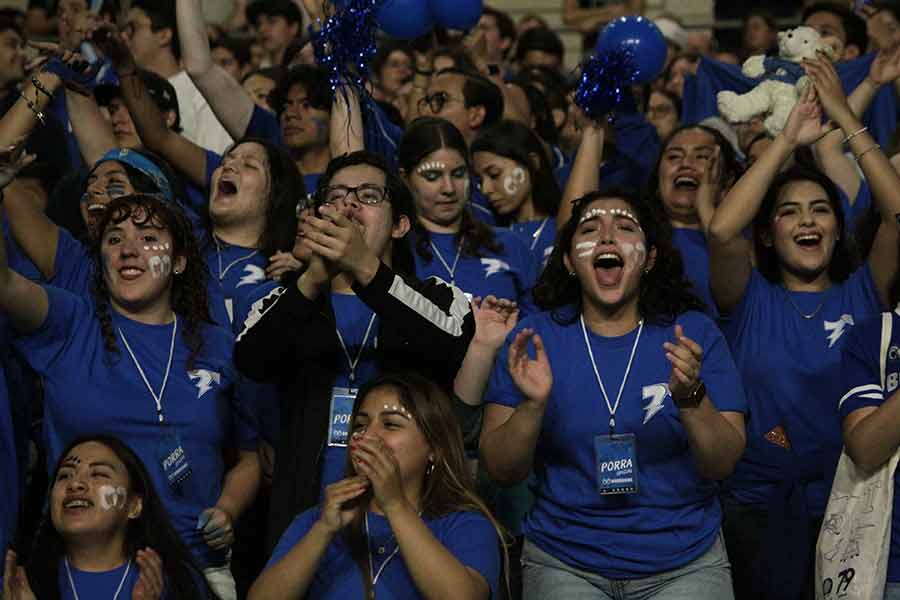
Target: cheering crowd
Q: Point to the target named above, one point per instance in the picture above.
(437, 333)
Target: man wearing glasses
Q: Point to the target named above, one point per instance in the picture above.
(353, 314)
(468, 100)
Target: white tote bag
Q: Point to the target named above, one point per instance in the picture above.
(854, 543)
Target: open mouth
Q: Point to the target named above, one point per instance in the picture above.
(608, 266)
(77, 504)
(227, 187)
(808, 240)
(96, 209)
(687, 183)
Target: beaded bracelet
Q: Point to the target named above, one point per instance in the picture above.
(34, 109)
(40, 86)
(854, 134)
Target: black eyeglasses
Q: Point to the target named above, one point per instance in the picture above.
(367, 193)
(436, 102)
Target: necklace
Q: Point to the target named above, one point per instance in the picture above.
(612, 407)
(72, 581)
(450, 269)
(156, 397)
(537, 234)
(800, 312)
(223, 273)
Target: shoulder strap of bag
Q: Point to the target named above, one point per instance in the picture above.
(887, 322)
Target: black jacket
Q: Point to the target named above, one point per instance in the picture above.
(423, 326)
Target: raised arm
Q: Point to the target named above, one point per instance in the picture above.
(346, 125)
(229, 101)
(729, 252)
(509, 435)
(585, 175)
(883, 179)
(494, 319)
(91, 129)
(188, 157)
(29, 109)
(24, 302)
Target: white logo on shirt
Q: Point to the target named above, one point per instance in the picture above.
(656, 394)
(205, 379)
(492, 266)
(252, 274)
(894, 353)
(837, 328)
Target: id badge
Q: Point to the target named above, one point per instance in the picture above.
(342, 400)
(617, 466)
(173, 460)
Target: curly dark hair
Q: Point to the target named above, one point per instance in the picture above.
(189, 297)
(665, 292)
(845, 258)
(152, 529)
(424, 136)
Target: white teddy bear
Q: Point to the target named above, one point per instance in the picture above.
(783, 79)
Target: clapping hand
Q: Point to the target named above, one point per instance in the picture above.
(686, 357)
(532, 376)
(494, 319)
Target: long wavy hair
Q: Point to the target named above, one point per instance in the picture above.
(845, 257)
(665, 292)
(513, 140)
(286, 189)
(424, 136)
(189, 298)
(449, 488)
(152, 529)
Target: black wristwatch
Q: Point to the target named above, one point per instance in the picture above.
(693, 399)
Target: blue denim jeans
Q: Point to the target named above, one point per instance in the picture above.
(706, 578)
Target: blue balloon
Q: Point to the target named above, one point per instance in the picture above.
(404, 19)
(645, 41)
(456, 14)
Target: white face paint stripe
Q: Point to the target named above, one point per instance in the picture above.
(160, 265)
(586, 249)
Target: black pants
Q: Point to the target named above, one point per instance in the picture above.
(744, 527)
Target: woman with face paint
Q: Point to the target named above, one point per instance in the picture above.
(61, 258)
(790, 295)
(158, 373)
(623, 400)
(107, 534)
(517, 179)
(448, 242)
(405, 521)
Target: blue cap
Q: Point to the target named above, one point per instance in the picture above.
(142, 164)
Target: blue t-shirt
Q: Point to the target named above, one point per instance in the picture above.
(230, 269)
(675, 515)
(469, 537)
(509, 274)
(862, 387)
(352, 317)
(790, 366)
(73, 266)
(539, 235)
(88, 390)
(98, 585)
(695, 255)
